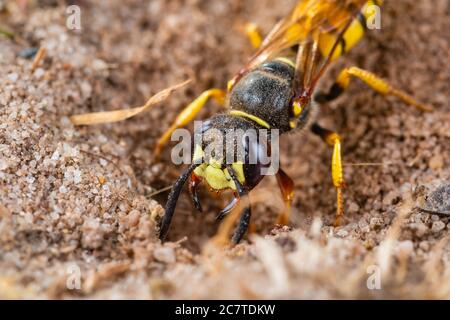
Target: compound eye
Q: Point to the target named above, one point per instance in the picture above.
(257, 161)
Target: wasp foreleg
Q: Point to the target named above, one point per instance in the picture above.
(244, 221)
(242, 227)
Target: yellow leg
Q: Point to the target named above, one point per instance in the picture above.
(252, 32)
(334, 140)
(188, 114)
(378, 85)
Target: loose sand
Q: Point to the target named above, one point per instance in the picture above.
(77, 201)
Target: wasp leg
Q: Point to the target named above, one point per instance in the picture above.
(188, 114)
(193, 185)
(242, 227)
(172, 200)
(286, 186)
(225, 211)
(252, 32)
(334, 92)
(244, 221)
(374, 82)
(334, 140)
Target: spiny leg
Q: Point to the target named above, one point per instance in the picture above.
(374, 82)
(242, 226)
(333, 93)
(188, 114)
(334, 140)
(172, 200)
(244, 221)
(286, 186)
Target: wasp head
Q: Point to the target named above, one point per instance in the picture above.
(231, 141)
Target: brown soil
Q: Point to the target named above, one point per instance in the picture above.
(80, 198)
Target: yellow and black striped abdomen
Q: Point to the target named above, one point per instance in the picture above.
(353, 34)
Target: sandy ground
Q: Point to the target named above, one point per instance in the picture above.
(77, 211)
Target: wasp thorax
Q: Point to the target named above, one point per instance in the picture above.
(266, 93)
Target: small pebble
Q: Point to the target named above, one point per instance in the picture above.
(389, 198)
(437, 226)
(76, 176)
(133, 218)
(39, 72)
(375, 223)
(55, 156)
(164, 254)
(420, 229)
(424, 245)
(13, 77)
(405, 248)
(353, 207)
(436, 162)
(28, 53)
(342, 233)
(3, 164)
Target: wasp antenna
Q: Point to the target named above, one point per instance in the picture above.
(172, 200)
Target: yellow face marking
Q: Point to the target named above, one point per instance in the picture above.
(216, 177)
(252, 117)
(220, 179)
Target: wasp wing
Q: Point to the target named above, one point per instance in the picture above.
(305, 26)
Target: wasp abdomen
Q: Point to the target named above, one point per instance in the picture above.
(266, 93)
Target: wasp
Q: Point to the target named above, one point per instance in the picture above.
(277, 90)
